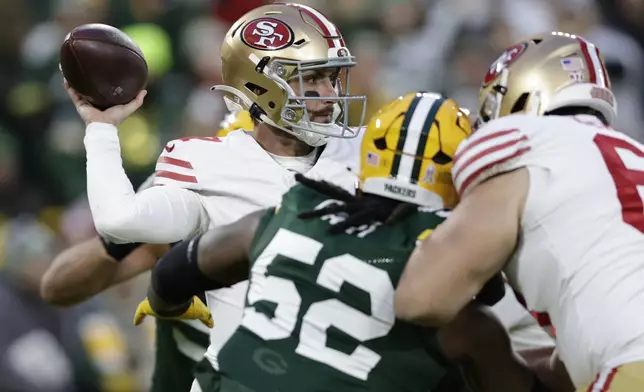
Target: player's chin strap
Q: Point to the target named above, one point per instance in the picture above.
(310, 138)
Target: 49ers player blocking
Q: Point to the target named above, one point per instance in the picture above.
(554, 197)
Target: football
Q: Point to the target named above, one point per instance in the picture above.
(103, 65)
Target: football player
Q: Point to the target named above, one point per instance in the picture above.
(319, 309)
(287, 65)
(552, 195)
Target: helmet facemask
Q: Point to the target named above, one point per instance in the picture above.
(294, 117)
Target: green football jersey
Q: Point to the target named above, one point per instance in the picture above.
(179, 346)
(319, 310)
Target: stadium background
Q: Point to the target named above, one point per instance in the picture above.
(401, 45)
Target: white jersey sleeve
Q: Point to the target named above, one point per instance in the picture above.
(155, 215)
(491, 150)
(180, 161)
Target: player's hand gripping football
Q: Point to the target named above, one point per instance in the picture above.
(114, 115)
(197, 311)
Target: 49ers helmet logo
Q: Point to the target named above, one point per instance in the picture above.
(507, 58)
(267, 34)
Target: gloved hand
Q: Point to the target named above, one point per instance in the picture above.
(196, 311)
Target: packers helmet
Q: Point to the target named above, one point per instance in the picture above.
(234, 121)
(408, 147)
(544, 73)
(274, 44)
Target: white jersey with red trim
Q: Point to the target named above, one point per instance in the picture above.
(580, 257)
(234, 176)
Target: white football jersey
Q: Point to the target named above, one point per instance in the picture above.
(580, 256)
(234, 176)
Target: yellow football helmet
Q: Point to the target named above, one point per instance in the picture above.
(234, 121)
(408, 147)
(544, 73)
(274, 44)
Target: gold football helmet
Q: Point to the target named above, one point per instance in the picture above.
(408, 147)
(544, 73)
(234, 121)
(274, 44)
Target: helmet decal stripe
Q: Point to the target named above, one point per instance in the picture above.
(424, 135)
(602, 68)
(403, 132)
(412, 136)
(590, 64)
(327, 27)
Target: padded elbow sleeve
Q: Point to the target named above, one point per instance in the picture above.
(176, 278)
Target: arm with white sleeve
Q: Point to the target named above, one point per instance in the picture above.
(161, 214)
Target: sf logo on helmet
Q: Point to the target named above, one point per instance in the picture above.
(267, 34)
(504, 60)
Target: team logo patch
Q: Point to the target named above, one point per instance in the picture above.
(507, 58)
(267, 34)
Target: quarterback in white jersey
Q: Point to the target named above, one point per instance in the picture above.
(285, 64)
(553, 196)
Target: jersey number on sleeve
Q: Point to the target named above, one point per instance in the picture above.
(323, 314)
(625, 163)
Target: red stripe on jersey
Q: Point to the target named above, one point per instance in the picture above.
(206, 138)
(609, 380)
(176, 176)
(483, 139)
(487, 151)
(592, 385)
(601, 62)
(604, 388)
(473, 176)
(543, 318)
(175, 162)
(589, 61)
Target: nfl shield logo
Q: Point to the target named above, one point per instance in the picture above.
(373, 159)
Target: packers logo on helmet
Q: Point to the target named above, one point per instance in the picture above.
(408, 147)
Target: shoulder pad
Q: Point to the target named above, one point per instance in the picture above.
(178, 163)
(491, 150)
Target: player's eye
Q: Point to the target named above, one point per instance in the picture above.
(311, 78)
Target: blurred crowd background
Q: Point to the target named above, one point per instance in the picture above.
(401, 46)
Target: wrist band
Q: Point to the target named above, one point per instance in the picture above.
(118, 251)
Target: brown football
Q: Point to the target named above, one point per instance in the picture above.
(103, 65)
